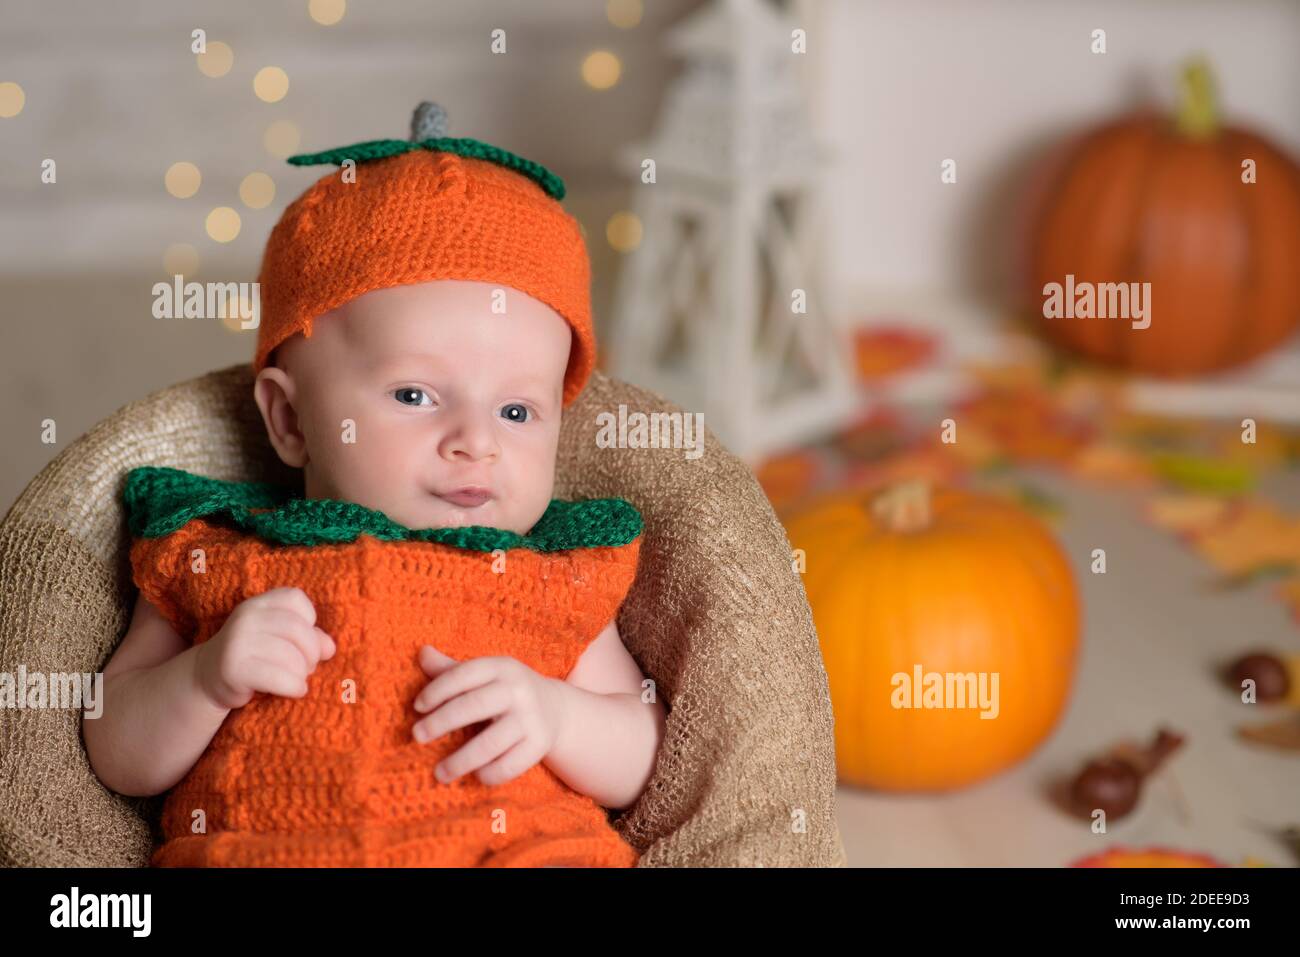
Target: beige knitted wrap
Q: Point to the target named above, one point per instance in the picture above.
(716, 616)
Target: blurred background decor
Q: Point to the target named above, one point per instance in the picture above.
(721, 305)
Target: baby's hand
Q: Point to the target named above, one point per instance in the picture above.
(525, 705)
(269, 643)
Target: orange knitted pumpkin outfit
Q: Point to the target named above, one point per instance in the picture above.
(335, 778)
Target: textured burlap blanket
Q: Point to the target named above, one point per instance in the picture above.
(716, 617)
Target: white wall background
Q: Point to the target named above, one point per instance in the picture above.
(900, 85)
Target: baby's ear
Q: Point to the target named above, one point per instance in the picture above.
(275, 392)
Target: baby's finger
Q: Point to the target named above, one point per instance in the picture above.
(454, 679)
(273, 678)
(483, 748)
(481, 704)
(284, 653)
(292, 599)
(513, 763)
(290, 626)
(433, 662)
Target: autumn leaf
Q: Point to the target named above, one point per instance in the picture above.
(1255, 535)
(785, 478)
(1257, 574)
(883, 352)
(1203, 474)
(1106, 461)
(1187, 513)
(1146, 857)
(1289, 592)
(1283, 735)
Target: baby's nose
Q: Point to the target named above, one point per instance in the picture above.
(470, 437)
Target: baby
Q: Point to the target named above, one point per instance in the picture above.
(416, 661)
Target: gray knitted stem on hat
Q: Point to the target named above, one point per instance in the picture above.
(429, 122)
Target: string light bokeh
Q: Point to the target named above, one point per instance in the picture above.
(600, 70)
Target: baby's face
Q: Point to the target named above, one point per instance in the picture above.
(443, 394)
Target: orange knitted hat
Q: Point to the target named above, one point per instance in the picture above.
(411, 211)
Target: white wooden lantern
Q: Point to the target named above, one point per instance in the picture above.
(720, 308)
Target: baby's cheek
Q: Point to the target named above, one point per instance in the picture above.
(532, 509)
(389, 455)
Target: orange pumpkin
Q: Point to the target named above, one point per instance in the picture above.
(1147, 857)
(1144, 200)
(913, 583)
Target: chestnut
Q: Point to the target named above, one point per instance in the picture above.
(1272, 683)
(1111, 784)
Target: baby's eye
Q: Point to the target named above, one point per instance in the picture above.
(515, 412)
(411, 396)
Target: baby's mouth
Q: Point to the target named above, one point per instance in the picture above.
(468, 497)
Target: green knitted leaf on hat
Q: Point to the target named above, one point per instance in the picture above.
(380, 149)
(161, 500)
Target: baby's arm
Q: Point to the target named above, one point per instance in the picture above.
(155, 722)
(164, 699)
(609, 737)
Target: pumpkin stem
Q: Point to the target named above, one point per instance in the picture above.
(904, 507)
(1198, 114)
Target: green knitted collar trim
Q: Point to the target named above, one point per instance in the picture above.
(160, 500)
(381, 149)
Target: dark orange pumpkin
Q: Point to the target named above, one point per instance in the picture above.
(1147, 199)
